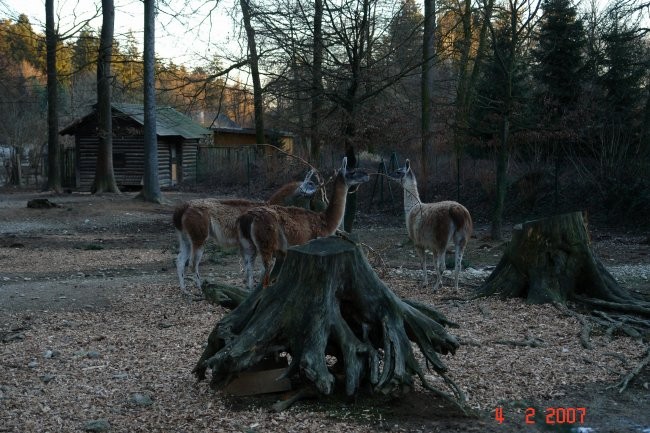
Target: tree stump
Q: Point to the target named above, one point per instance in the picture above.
(41, 203)
(551, 260)
(327, 300)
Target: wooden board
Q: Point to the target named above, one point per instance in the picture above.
(258, 382)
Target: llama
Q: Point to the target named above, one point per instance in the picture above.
(433, 225)
(196, 220)
(270, 230)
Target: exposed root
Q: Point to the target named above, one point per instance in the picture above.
(304, 393)
(585, 333)
(639, 308)
(528, 342)
(458, 399)
(622, 385)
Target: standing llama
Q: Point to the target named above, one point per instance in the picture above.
(431, 226)
(196, 220)
(270, 230)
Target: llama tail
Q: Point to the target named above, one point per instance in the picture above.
(177, 218)
(461, 218)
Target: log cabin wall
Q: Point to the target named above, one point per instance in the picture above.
(189, 157)
(128, 161)
(177, 156)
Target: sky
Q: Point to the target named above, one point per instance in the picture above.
(184, 34)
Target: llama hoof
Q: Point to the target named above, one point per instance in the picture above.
(197, 297)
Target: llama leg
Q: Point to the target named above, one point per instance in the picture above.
(267, 263)
(437, 259)
(423, 262)
(457, 265)
(248, 253)
(181, 259)
(279, 255)
(196, 260)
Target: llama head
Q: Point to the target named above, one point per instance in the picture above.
(308, 188)
(404, 175)
(353, 176)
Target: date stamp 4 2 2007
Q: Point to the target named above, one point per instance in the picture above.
(551, 415)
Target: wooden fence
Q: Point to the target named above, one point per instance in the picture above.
(256, 167)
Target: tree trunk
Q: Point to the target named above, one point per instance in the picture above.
(253, 61)
(428, 62)
(328, 301)
(550, 260)
(104, 176)
(317, 83)
(53, 149)
(151, 188)
(501, 180)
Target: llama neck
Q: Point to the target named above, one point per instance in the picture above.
(411, 196)
(336, 208)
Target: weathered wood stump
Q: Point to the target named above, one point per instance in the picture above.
(327, 300)
(551, 260)
(41, 203)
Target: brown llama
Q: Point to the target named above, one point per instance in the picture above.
(198, 220)
(270, 230)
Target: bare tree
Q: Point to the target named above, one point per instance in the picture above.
(428, 62)
(21, 129)
(104, 176)
(519, 18)
(253, 61)
(317, 82)
(151, 188)
(54, 150)
(472, 50)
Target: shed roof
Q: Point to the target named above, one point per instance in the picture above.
(169, 122)
(224, 122)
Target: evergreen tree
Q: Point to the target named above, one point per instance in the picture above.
(503, 94)
(560, 44)
(624, 70)
(404, 42)
(23, 41)
(84, 51)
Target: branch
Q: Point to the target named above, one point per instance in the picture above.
(622, 385)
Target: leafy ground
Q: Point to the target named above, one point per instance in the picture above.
(93, 327)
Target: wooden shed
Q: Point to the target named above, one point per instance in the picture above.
(229, 133)
(178, 141)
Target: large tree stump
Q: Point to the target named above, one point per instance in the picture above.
(551, 260)
(327, 300)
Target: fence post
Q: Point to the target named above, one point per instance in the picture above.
(248, 170)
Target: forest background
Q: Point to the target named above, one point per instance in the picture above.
(536, 106)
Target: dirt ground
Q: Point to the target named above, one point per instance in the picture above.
(95, 334)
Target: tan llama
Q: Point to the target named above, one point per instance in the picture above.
(432, 226)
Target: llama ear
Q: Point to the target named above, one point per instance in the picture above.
(407, 167)
(344, 164)
(309, 175)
